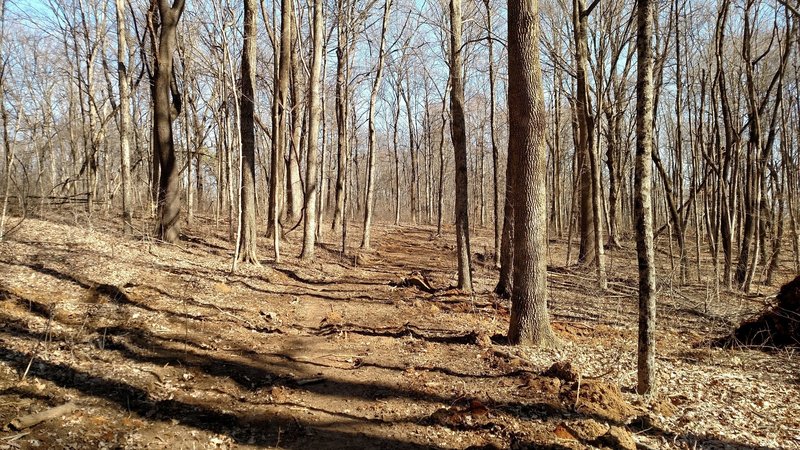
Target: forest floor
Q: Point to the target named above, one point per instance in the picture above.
(160, 346)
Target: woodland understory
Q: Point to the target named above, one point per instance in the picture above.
(399, 224)
(160, 346)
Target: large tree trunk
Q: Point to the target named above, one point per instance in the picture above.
(247, 215)
(459, 137)
(530, 322)
(310, 225)
(643, 212)
(169, 203)
(376, 85)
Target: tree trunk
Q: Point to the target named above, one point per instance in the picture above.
(591, 247)
(169, 204)
(376, 85)
(247, 214)
(413, 151)
(294, 191)
(459, 137)
(341, 114)
(643, 212)
(530, 322)
(8, 148)
(505, 281)
(440, 193)
(395, 120)
(124, 118)
(314, 82)
(584, 135)
(279, 127)
(498, 218)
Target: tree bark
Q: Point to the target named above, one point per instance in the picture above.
(584, 136)
(376, 85)
(247, 215)
(459, 137)
(294, 190)
(506, 279)
(314, 82)
(168, 204)
(342, 56)
(530, 322)
(440, 193)
(643, 213)
(279, 127)
(124, 118)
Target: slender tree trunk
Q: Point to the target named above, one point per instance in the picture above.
(279, 129)
(440, 193)
(643, 213)
(314, 82)
(8, 148)
(294, 191)
(124, 118)
(412, 148)
(376, 85)
(505, 281)
(396, 119)
(247, 214)
(341, 114)
(322, 197)
(680, 228)
(584, 134)
(459, 137)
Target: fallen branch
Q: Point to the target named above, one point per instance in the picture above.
(21, 423)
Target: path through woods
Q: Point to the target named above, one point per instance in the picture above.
(160, 347)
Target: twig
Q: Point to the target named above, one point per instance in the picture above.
(16, 436)
(247, 322)
(21, 423)
(310, 381)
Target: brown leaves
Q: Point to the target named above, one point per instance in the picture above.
(473, 416)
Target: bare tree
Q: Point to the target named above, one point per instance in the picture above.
(343, 18)
(495, 151)
(247, 215)
(310, 225)
(459, 137)
(530, 322)
(643, 212)
(591, 249)
(8, 152)
(124, 117)
(166, 107)
(279, 126)
(376, 84)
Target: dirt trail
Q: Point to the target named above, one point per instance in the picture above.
(161, 347)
